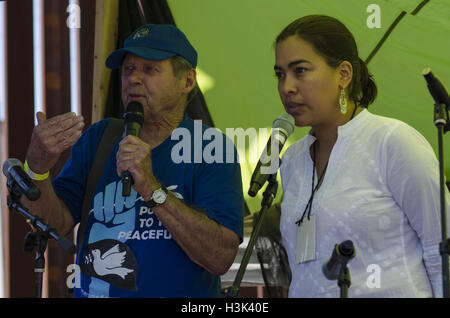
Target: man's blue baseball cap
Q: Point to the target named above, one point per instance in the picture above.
(154, 42)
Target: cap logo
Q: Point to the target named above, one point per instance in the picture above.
(143, 32)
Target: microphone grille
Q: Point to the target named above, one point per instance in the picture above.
(11, 162)
(285, 122)
(346, 248)
(428, 75)
(135, 107)
(426, 71)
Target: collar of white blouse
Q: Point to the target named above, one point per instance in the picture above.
(345, 130)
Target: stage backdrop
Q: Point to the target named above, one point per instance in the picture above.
(235, 38)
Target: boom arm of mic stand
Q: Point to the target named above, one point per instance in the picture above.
(37, 222)
(268, 196)
(37, 239)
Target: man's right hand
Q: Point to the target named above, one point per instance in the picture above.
(50, 138)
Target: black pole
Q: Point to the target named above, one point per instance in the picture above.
(344, 281)
(442, 125)
(39, 267)
(268, 196)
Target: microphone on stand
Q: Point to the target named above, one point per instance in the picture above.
(133, 119)
(282, 128)
(442, 123)
(437, 90)
(13, 169)
(441, 99)
(341, 255)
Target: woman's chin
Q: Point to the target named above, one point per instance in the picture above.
(301, 121)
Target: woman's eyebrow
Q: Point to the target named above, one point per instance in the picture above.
(291, 64)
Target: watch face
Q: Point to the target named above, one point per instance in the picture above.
(159, 196)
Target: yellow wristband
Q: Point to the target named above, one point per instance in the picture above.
(33, 175)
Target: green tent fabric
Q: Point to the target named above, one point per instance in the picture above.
(235, 38)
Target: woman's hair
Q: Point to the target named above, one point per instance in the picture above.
(332, 40)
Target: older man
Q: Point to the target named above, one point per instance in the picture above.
(180, 228)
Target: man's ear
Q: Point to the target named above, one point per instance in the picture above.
(191, 80)
(345, 70)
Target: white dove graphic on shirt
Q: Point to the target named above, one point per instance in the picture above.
(110, 262)
(172, 189)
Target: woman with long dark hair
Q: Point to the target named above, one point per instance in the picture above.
(356, 176)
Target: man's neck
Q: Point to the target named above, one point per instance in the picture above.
(155, 131)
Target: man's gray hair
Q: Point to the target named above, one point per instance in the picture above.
(180, 66)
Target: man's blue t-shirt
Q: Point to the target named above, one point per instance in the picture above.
(127, 251)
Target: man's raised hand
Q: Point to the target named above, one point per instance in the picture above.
(50, 138)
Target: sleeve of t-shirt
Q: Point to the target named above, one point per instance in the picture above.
(70, 184)
(218, 191)
(413, 179)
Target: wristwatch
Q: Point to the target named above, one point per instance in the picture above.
(159, 196)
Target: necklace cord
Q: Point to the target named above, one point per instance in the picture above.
(314, 189)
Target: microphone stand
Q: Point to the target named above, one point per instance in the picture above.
(443, 125)
(268, 196)
(344, 281)
(37, 239)
(342, 254)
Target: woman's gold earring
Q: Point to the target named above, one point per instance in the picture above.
(343, 102)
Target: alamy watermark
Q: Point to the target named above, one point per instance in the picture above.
(74, 19)
(209, 146)
(374, 19)
(374, 279)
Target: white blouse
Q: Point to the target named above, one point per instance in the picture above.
(380, 190)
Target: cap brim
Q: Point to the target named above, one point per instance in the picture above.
(115, 59)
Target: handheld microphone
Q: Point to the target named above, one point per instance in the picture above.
(133, 119)
(13, 169)
(342, 254)
(268, 163)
